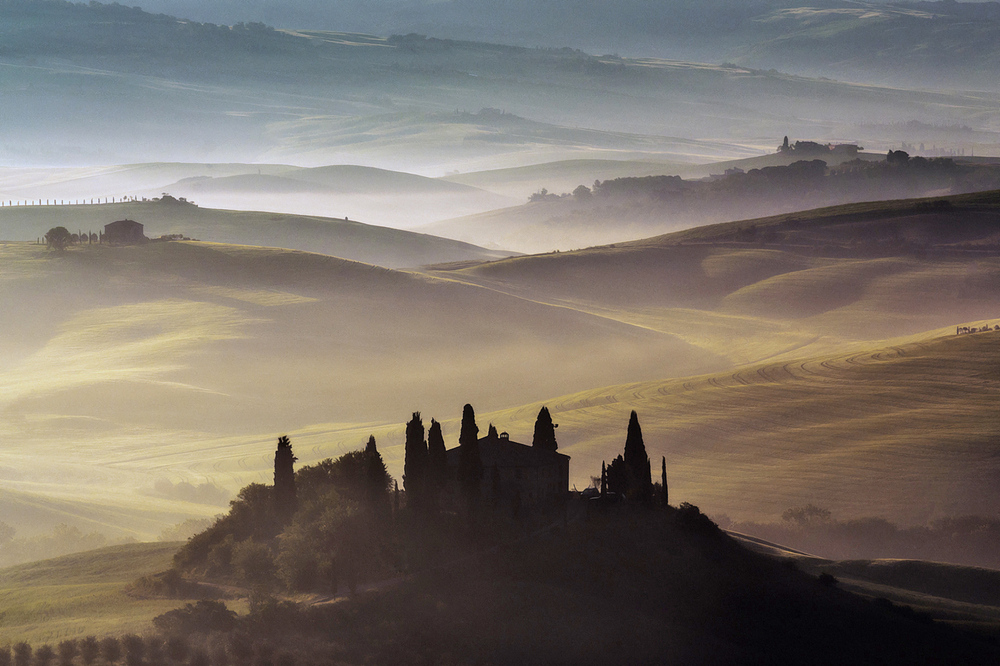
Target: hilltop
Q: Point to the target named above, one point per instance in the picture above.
(631, 207)
(348, 239)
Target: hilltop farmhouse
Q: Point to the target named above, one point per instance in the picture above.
(124, 232)
(515, 474)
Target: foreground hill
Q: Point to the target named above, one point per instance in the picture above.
(383, 246)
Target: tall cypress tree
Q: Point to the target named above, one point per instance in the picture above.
(415, 463)
(663, 480)
(284, 479)
(545, 431)
(470, 464)
(437, 462)
(376, 477)
(636, 461)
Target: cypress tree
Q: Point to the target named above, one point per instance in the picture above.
(636, 461)
(663, 479)
(284, 479)
(470, 464)
(437, 462)
(492, 433)
(415, 463)
(376, 476)
(604, 478)
(545, 431)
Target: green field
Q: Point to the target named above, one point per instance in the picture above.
(80, 595)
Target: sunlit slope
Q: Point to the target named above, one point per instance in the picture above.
(908, 432)
(184, 361)
(348, 239)
(843, 274)
(83, 594)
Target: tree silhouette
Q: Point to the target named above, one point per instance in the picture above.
(89, 649)
(663, 480)
(111, 650)
(415, 464)
(135, 649)
(640, 480)
(545, 431)
(618, 477)
(22, 654)
(376, 477)
(44, 655)
(470, 464)
(6, 658)
(58, 238)
(67, 651)
(284, 479)
(437, 461)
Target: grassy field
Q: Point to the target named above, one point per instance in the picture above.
(80, 595)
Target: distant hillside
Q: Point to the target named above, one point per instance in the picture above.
(628, 208)
(149, 88)
(883, 41)
(347, 239)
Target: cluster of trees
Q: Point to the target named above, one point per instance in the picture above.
(804, 184)
(316, 527)
(629, 475)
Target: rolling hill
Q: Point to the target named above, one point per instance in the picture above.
(184, 361)
(635, 207)
(348, 239)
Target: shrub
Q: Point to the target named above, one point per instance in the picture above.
(89, 649)
(22, 654)
(67, 651)
(44, 655)
(111, 649)
(135, 649)
(202, 617)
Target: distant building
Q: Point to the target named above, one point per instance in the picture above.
(124, 232)
(516, 474)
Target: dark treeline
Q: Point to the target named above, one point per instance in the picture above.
(802, 185)
(968, 540)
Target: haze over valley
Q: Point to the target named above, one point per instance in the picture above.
(766, 231)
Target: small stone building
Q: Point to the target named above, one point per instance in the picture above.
(517, 475)
(124, 232)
